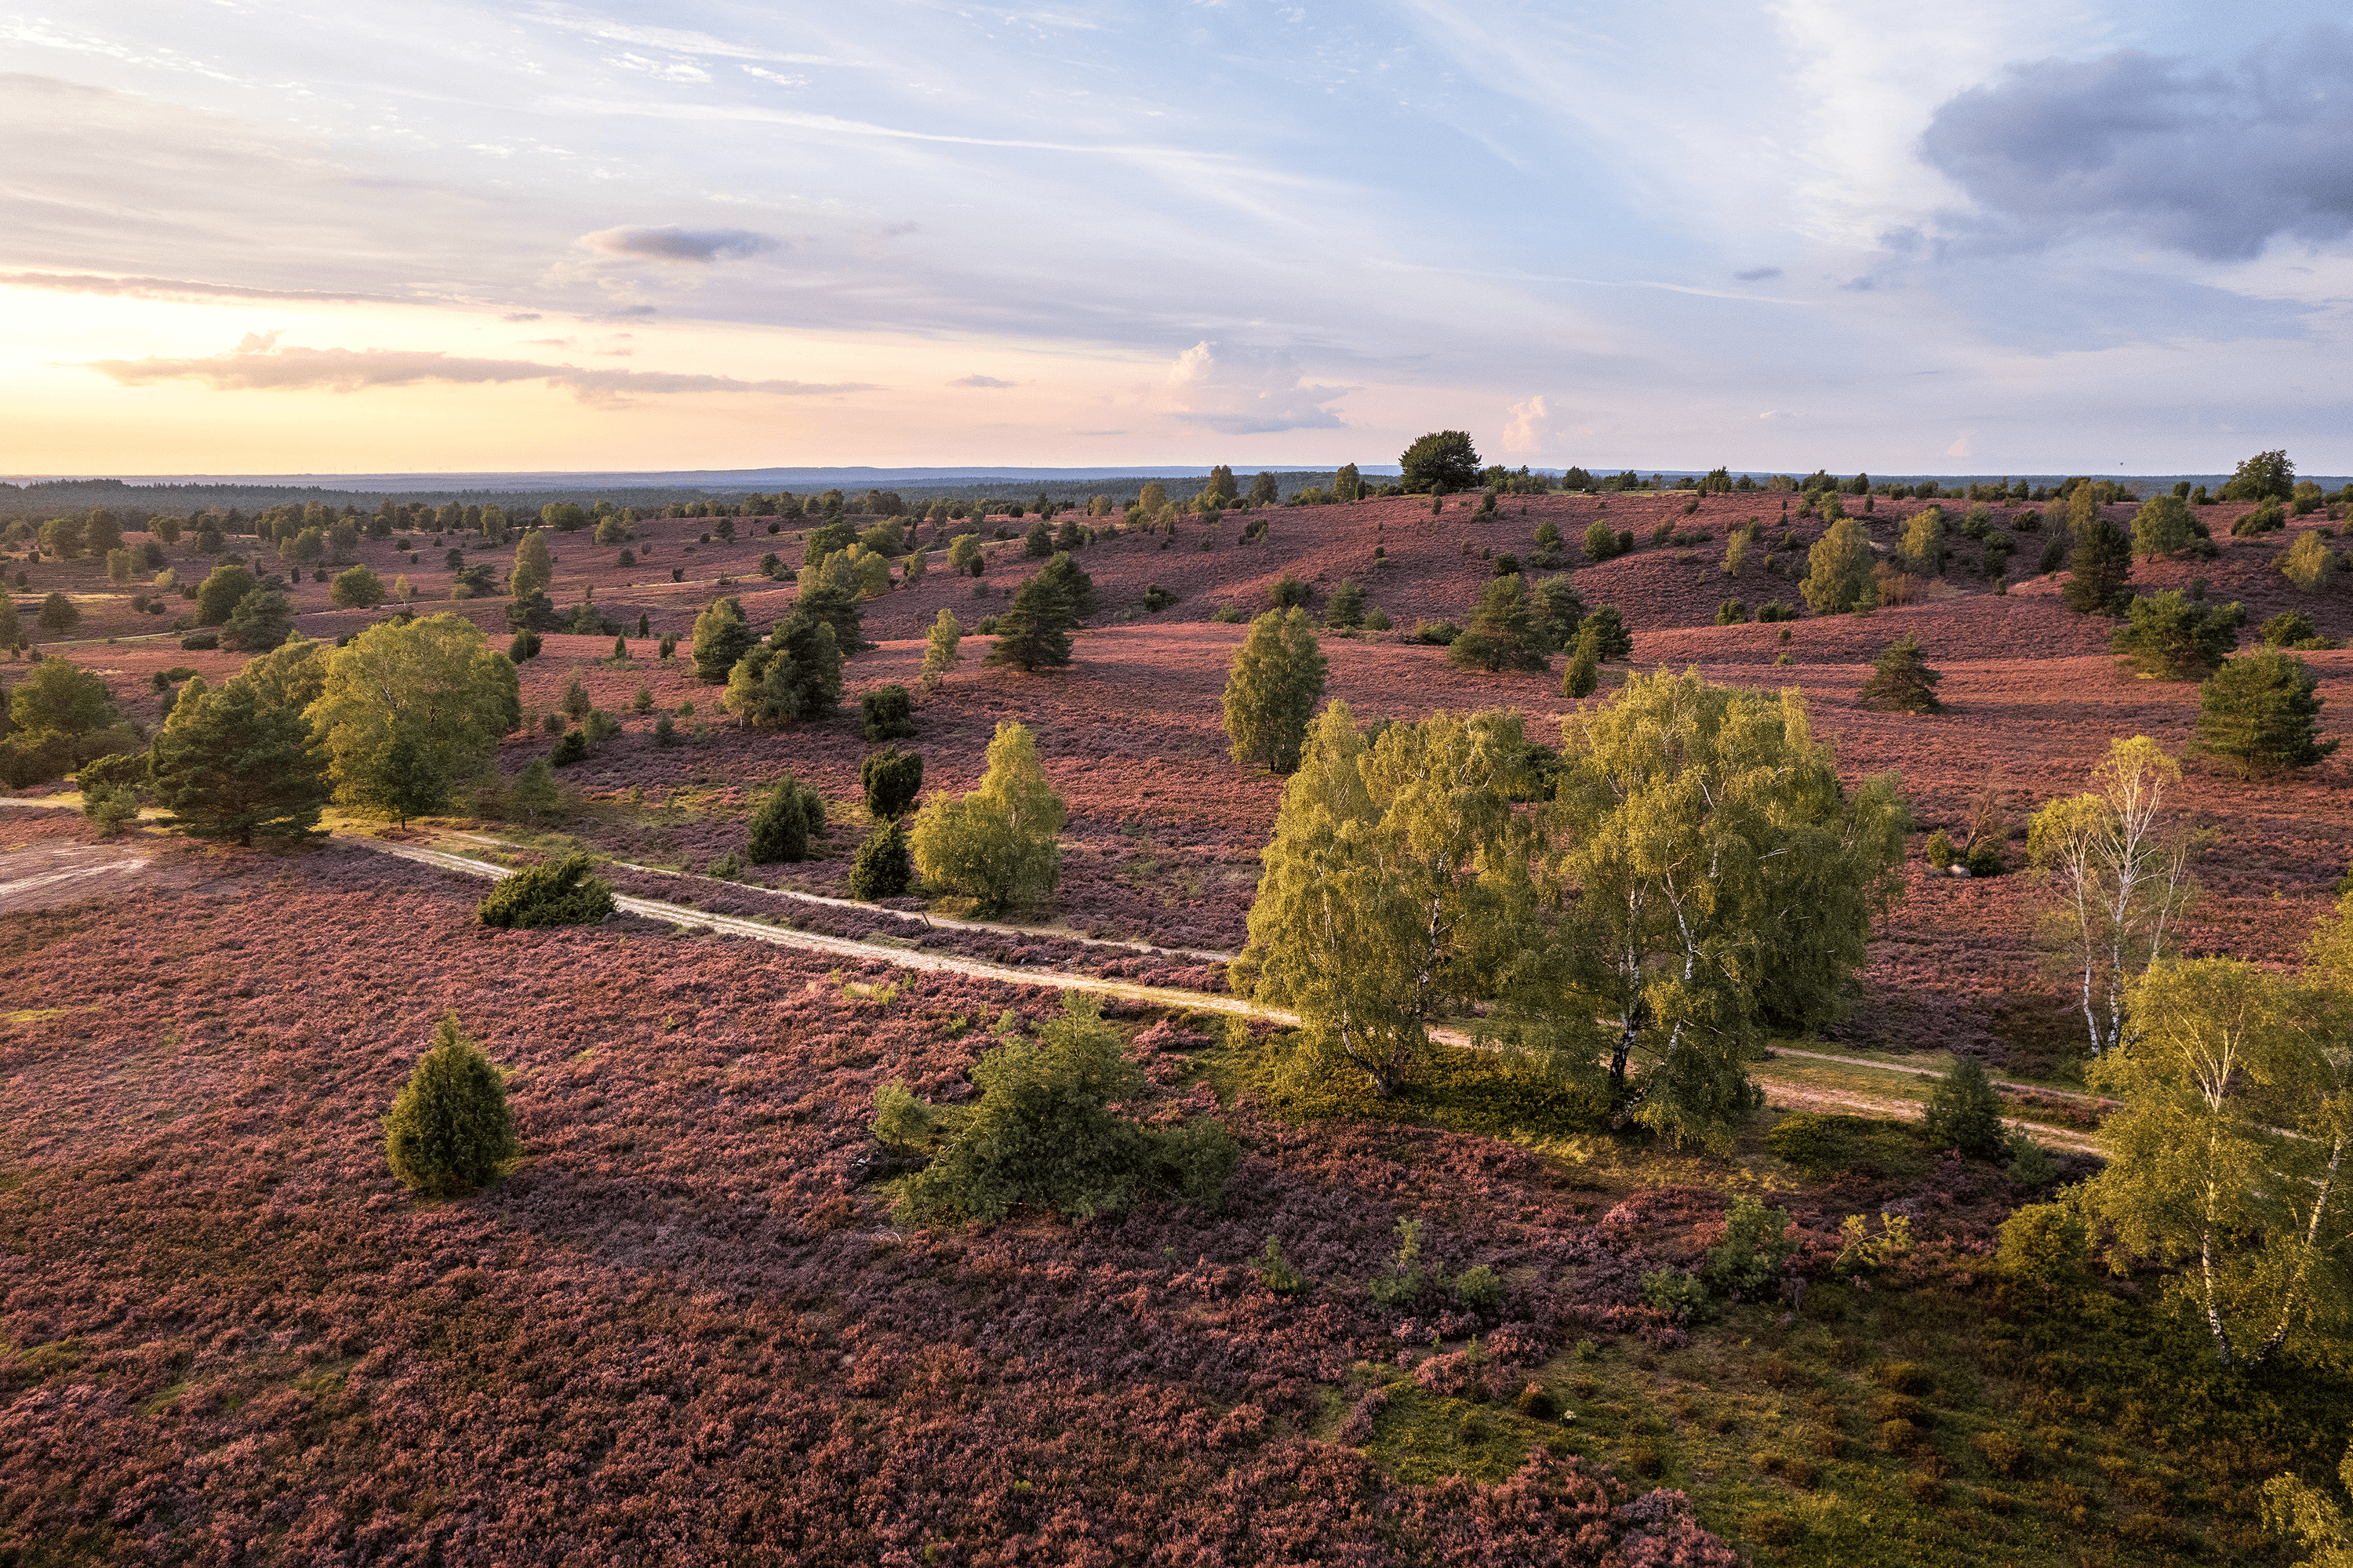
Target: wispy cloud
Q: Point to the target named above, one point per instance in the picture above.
(258, 365)
(184, 289)
(989, 381)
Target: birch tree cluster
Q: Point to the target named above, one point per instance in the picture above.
(1635, 911)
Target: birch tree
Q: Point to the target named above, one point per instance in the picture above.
(1709, 875)
(2118, 872)
(1395, 887)
(2228, 1158)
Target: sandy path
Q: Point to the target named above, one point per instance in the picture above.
(944, 922)
(864, 951)
(35, 877)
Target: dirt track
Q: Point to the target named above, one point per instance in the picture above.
(43, 874)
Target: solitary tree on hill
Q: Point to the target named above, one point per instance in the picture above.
(1440, 461)
(1271, 689)
(2101, 571)
(1902, 682)
(2261, 711)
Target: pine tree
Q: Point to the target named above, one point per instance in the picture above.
(1500, 636)
(1964, 1113)
(1902, 682)
(238, 761)
(892, 780)
(883, 868)
(2261, 711)
(996, 845)
(451, 1132)
(1555, 612)
(1035, 629)
(1271, 689)
(536, 793)
(1346, 610)
(2166, 636)
(1583, 672)
(2101, 568)
(785, 821)
(1611, 640)
(940, 655)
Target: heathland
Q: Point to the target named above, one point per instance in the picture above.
(741, 1288)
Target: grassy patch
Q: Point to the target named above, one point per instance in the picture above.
(1500, 1093)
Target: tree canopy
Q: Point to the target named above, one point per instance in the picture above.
(1440, 461)
(995, 844)
(244, 759)
(409, 712)
(1271, 689)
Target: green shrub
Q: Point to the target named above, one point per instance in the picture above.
(450, 1132)
(1939, 851)
(784, 822)
(1732, 613)
(887, 712)
(883, 868)
(1042, 1135)
(2259, 711)
(892, 780)
(1755, 1246)
(559, 894)
(2030, 1165)
(523, 645)
(1675, 1291)
(1402, 1285)
(2166, 636)
(2287, 629)
(1275, 1271)
(1965, 1114)
(2043, 1244)
(572, 748)
(996, 845)
(1478, 1289)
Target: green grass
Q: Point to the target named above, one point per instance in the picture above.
(1949, 1424)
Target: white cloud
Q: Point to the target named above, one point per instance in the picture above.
(1526, 430)
(660, 71)
(1960, 447)
(984, 381)
(1236, 390)
(256, 364)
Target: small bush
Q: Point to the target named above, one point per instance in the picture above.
(1677, 1292)
(665, 730)
(1536, 1403)
(451, 1132)
(888, 713)
(2002, 1453)
(1042, 1135)
(1964, 1113)
(1939, 852)
(1436, 633)
(883, 868)
(560, 894)
(1275, 1271)
(1732, 613)
(1479, 1289)
(1401, 1285)
(523, 645)
(572, 748)
(1287, 592)
(1756, 1243)
(200, 639)
(2043, 1244)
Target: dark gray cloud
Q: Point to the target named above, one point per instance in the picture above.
(1757, 274)
(2212, 160)
(670, 243)
(256, 365)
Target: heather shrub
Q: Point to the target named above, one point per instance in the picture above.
(1964, 1114)
(1755, 1246)
(883, 868)
(559, 894)
(1041, 1134)
(450, 1132)
(892, 780)
(887, 712)
(784, 822)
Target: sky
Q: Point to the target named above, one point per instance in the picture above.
(1898, 236)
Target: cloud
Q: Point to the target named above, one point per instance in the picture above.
(175, 289)
(1526, 431)
(2214, 161)
(1960, 447)
(1239, 391)
(779, 78)
(671, 243)
(1757, 274)
(520, 316)
(674, 70)
(256, 364)
(979, 381)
